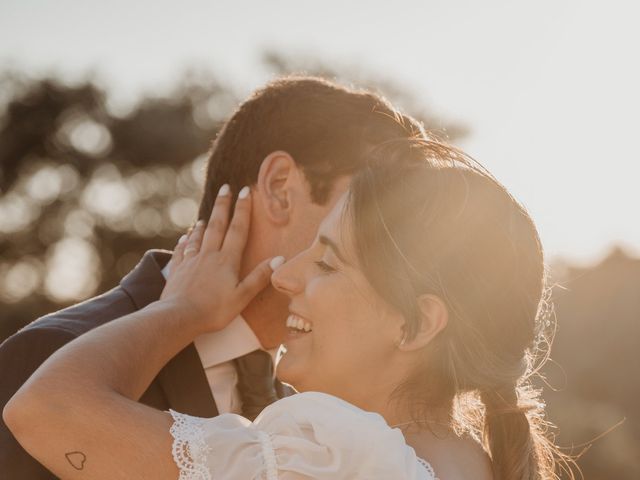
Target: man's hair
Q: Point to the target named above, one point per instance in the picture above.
(327, 129)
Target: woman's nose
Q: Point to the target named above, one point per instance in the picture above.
(286, 278)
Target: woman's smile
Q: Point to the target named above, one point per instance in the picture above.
(298, 329)
(297, 324)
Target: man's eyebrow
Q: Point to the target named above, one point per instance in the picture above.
(324, 240)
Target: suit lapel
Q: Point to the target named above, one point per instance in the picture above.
(183, 379)
(185, 384)
(145, 282)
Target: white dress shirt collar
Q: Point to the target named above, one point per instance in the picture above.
(233, 341)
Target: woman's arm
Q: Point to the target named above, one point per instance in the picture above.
(78, 413)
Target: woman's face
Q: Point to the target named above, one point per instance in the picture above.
(343, 338)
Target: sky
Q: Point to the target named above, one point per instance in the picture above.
(549, 88)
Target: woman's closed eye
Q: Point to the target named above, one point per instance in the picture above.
(325, 267)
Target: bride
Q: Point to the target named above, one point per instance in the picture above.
(414, 320)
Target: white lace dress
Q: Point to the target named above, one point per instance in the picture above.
(306, 436)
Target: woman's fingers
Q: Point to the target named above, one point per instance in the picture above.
(236, 237)
(178, 252)
(218, 221)
(193, 243)
(217, 247)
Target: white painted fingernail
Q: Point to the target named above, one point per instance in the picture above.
(244, 193)
(224, 190)
(276, 262)
(200, 223)
(182, 239)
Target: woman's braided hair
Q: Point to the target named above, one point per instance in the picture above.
(430, 220)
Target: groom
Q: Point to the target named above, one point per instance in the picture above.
(297, 142)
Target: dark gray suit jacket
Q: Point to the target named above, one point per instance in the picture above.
(180, 385)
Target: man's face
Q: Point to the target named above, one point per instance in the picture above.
(267, 313)
(307, 217)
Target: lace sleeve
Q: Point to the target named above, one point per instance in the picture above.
(189, 447)
(314, 436)
(222, 447)
(427, 467)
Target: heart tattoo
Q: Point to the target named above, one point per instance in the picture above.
(76, 459)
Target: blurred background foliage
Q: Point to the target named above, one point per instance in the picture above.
(87, 185)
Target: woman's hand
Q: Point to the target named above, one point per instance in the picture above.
(86, 391)
(204, 280)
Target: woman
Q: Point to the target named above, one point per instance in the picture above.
(416, 313)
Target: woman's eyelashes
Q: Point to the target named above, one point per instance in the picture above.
(325, 267)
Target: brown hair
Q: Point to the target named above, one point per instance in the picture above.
(427, 219)
(325, 127)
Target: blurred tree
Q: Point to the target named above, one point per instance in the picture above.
(87, 189)
(595, 363)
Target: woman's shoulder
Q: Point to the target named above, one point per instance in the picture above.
(320, 398)
(453, 457)
(313, 433)
(339, 424)
(322, 408)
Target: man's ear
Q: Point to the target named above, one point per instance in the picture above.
(277, 177)
(434, 316)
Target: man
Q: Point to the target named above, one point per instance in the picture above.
(297, 141)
